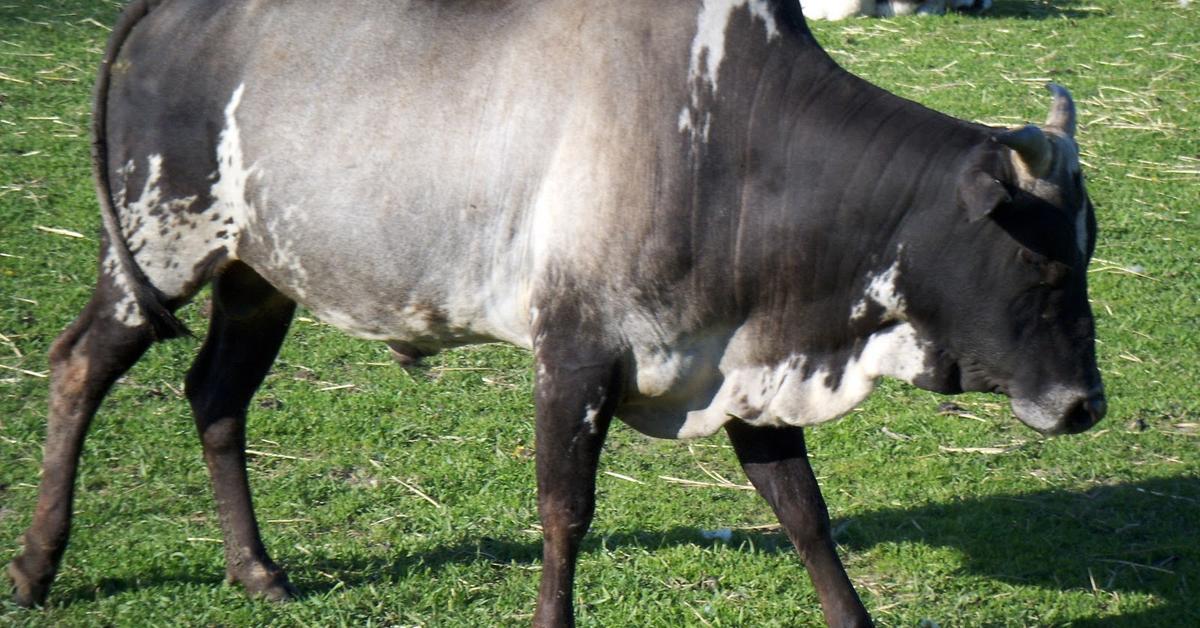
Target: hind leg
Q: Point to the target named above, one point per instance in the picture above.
(250, 319)
(85, 360)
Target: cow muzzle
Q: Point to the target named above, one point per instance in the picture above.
(1062, 412)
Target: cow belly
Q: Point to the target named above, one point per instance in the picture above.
(375, 278)
(458, 311)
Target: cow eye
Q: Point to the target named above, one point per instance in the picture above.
(1029, 257)
(1054, 274)
(1050, 273)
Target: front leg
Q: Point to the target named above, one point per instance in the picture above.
(576, 396)
(776, 461)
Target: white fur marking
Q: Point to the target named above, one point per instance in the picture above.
(708, 50)
(126, 310)
(234, 201)
(882, 290)
(590, 413)
(166, 239)
(142, 221)
(780, 395)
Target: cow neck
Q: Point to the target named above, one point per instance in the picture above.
(831, 171)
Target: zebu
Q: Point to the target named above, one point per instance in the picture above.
(688, 212)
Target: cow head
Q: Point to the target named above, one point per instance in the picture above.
(1003, 287)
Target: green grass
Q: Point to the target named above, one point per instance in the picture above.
(1098, 529)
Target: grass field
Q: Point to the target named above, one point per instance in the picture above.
(401, 497)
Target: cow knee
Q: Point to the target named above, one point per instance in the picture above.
(195, 390)
(64, 346)
(566, 514)
(222, 435)
(203, 389)
(88, 357)
(812, 535)
(69, 365)
(809, 528)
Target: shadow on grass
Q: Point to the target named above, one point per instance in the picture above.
(1040, 10)
(1138, 537)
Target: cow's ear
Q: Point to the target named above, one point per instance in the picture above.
(980, 193)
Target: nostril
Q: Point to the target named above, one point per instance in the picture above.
(1096, 406)
(1086, 413)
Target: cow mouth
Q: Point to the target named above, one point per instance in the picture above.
(1086, 413)
(952, 375)
(945, 374)
(1060, 410)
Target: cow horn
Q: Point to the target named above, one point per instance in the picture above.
(1062, 110)
(1033, 147)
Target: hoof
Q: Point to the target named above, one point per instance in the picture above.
(278, 591)
(405, 354)
(28, 592)
(267, 583)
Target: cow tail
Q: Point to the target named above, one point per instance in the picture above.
(152, 303)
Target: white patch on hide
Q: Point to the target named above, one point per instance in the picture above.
(127, 311)
(282, 251)
(708, 50)
(160, 255)
(590, 413)
(895, 352)
(781, 395)
(166, 239)
(233, 174)
(233, 198)
(685, 119)
(882, 290)
(708, 46)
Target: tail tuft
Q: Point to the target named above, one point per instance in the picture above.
(164, 323)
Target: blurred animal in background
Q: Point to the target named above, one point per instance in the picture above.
(842, 9)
